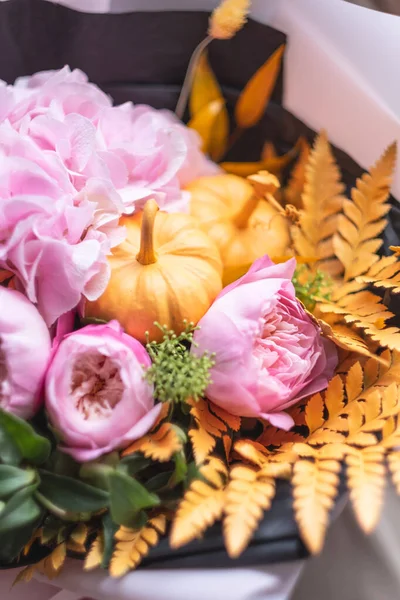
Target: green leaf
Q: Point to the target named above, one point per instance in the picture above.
(13, 479)
(109, 531)
(9, 453)
(133, 464)
(180, 469)
(193, 473)
(96, 474)
(14, 540)
(20, 510)
(30, 445)
(159, 481)
(72, 495)
(128, 497)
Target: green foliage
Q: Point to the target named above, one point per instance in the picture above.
(18, 440)
(128, 499)
(310, 286)
(177, 374)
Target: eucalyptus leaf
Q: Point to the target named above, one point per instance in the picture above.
(109, 530)
(9, 453)
(71, 495)
(96, 474)
(127, 498)
(133, 464)
(14, 540)
(159, 481)
(31, 446)
(13, 479)
(19, 511)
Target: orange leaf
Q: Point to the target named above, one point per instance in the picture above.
(254, 99)
(315, 413)
(160, 445)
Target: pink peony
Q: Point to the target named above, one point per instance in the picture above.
(269, 352)
(24, 353)
(96, 396)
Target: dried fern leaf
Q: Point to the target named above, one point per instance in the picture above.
(208, 428)
(95, 555)
(294, 190)
(357, 241)
(248, 495)
(366, 482)
(322, 200)
(272, 436)
(202, 504)
(394, 467)
(315, 486)
(384, 274)
(159, 445)
(348, 339)
(52, 565)
(25, 576)
(132, 546)
(276, 463)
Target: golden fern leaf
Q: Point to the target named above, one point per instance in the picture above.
(25, 575)
(394, 467)
(202, 504)
(366, 481)
(272, 436)
(315, 413)
(208, 427)
(294, 190)
(347, 339)
(159, 445)
(249, 493)
(384, 274)
(322, 201)
(315, 486)
(133, 545)
(357, 241)
(232, 421)
(364, 309)
(276, 463)
(51, 565)
(95, 555)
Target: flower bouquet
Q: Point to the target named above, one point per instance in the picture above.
(180, 331)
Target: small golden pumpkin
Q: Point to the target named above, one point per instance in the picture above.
(243, 224)
(166, 270)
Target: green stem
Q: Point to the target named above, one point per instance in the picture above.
(187, 84)
(59, 512)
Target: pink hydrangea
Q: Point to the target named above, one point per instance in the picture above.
(71, 164)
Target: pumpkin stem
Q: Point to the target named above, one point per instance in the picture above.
(146, 255)
(242, 218)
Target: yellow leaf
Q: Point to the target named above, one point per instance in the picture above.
(348, 339)
(201, 506)
(133, 545)
(232, 421)
(205, 89)
(79, 534)
(202, 443)
(204, 122)
(322, 200)
(51, 565)
(357, 241)
(254, 99)
(354, 382)
(274, 164)
(94, 557)
(315, 413)
(315, 486)
(366, 481)
(248, 495)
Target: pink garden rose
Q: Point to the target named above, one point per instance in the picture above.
(96, 396)
(269, 352)
(24, 354)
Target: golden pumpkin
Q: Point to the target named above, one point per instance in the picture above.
(166, 270)
(243, 224)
